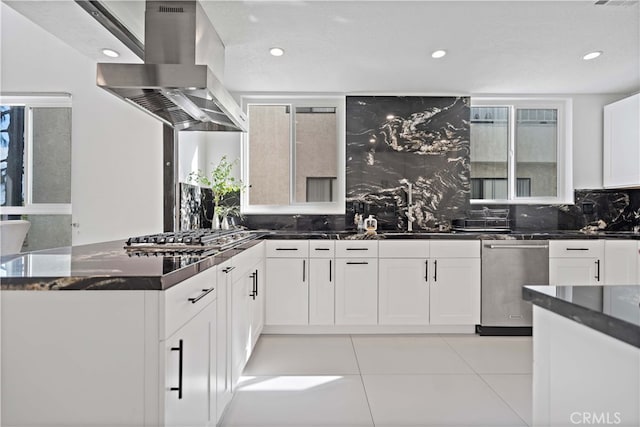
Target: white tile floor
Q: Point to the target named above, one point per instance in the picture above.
(385, 381)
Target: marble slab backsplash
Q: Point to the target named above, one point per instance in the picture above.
(393, 142)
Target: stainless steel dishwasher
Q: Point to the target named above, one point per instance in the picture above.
(507, 265)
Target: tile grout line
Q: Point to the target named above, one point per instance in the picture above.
(366, 396)
(484, 381)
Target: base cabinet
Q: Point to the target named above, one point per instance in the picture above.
(288, 291)
(188, 367)
(455, 291)
(575, 271)
(356, 297)
(403, 291)
(321, 291)
(621, 262)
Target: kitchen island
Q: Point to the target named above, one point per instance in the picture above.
(586, 361)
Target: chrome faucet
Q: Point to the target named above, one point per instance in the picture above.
(409, 192)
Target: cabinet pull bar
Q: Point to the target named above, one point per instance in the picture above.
(228, 269)
(304, 270)
(426, 270)
(256, 282)
(357, 262)
(357, 249)
(202, 295)
(435, 270)
(179, 349)
(598, 270)
(253, 286)
(322, 249)
(330, 262)
(286, 249)
(577, 249)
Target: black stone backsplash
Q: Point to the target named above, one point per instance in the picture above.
(393, 141)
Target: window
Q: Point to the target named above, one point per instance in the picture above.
(35, 155)
(293, 156)
(521, 151)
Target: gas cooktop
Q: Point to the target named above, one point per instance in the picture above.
(192, 242)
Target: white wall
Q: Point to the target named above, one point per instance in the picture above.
(117, 150)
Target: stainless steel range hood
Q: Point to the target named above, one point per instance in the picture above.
(169, 85)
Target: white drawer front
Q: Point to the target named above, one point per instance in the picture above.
(357, 249)
(576, 248)
(287, 248)
(455, 249)
(186, 299)
(403, 249)
(322, 248)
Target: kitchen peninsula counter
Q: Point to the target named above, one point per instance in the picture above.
(104, 266)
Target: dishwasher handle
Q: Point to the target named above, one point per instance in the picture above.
(517, 246)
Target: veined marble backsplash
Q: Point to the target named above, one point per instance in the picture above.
(394, 141)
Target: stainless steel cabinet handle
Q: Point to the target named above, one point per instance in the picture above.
(435, 270)
(517, 246)
(598, 270)
(179, 349)
(202, 295)
(356, 262)
(304, 270)
(253, 285)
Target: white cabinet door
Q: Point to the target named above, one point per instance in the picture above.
(257, 301)
(287, 297)
(240, 327)
(321, 291)
(621, 153)
(223, 345)
(403, 291)
(187, 372)
(620, 262)
(455, 291)
(356, 291)
(575, 271)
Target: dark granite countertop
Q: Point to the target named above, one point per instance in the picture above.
(457, 235)
(107, 266)
(103, 266)
(612, 310)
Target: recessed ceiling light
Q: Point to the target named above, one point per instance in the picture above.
(276, 51)
(110, 53)
(438, 53)
(592, 55)
(391, 117)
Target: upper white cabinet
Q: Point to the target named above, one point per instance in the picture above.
(621, 155)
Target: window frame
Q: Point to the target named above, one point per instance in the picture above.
(564, 148)
(60, 100)
(335, 207)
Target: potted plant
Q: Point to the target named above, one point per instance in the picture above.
(221, 184)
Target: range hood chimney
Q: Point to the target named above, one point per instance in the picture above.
(169, 85)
